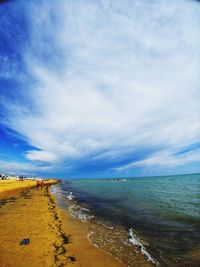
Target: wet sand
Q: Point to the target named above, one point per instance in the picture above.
(86, 254)
(56, 239)
(114, 241)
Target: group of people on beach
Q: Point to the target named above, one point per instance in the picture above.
(40, 184)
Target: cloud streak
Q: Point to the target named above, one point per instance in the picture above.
(110, 79)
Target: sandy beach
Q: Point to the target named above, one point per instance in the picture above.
(10, 188)
(55, 239)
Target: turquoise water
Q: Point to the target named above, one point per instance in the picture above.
(163, 211)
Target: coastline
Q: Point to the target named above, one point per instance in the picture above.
(103, 239)
(133, 228)
(86, 254)
(58, 237)
(55, 238)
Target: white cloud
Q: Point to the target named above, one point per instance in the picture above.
(40, 155)
(13, 167)
(165, 159)
(114, 75)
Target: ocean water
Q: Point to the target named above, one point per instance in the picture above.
(160, 216)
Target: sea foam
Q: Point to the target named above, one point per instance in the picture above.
(136, 242)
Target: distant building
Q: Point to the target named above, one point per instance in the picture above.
(3, 176)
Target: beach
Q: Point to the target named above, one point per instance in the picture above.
(54, 237)
(9, 188)
(100, 223)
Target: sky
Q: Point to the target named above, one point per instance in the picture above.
(99, 88)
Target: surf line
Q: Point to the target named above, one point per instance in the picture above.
(134, 240)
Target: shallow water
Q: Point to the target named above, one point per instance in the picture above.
(160, 215)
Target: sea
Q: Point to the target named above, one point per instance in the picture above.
(158, 217)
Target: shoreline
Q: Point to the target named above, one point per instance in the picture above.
(106, 238)
(86, 253)
(56, 239)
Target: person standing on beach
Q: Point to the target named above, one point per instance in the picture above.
(38, 184)
(42, 183)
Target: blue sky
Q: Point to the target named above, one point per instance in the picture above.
(100, 88)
